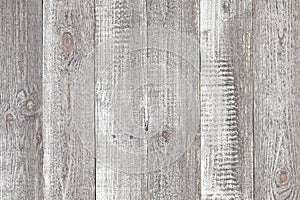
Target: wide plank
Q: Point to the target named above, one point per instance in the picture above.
(147, 99)
(68, 99)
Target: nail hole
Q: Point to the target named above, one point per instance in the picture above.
(114, 136)
(131, 137)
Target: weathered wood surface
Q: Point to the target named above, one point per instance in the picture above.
(111, 100)
(148, 99)
(68, 94)
(21, 150)
(226, 100)
(276, 59)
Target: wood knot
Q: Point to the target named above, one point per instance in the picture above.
(9, 117)
(282, 177)
(67, 42)
(165, 134)
(29, 105)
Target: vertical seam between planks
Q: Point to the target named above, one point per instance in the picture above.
(94, 110)
(146, 21)
(42, 98)
(253, 98)
(200, 107)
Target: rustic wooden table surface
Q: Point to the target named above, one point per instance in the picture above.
(150, 99)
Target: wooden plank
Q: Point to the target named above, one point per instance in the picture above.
(147, 99)
(226, 99)
(116, 22)
(68, 94)
(173, 33)
(20, 100)
(276, 58)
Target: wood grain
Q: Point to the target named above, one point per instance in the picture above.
(173, 27)
(147, 99)
(226, 100)
(114, 41)
(111, 100)
(277, 106)
(68, 96)
(21, 151)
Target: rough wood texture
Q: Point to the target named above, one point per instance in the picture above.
(68, 94)
(107, 100)
(148, 106)
(173, 29)
(20, 99)
(226, 99)
(276, 60)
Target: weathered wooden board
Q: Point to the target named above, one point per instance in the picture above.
(173, 32)
(68, 99)
(107, 100)
(147, 99)
(276, 59)
(20, 100)
(226, 99)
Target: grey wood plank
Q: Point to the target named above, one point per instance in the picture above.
(117, 35)
(147, 99)
(20, 100)
(68, 96)
(226, 100)
(276, 59)
(173, 41)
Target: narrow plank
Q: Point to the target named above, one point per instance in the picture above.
(276, 58)
(173, 35)
(20, 100)
(119, 29)
(147, 99)
(226, 99)
(68, 108)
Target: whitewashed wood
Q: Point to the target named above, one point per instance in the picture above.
(114, 42)
(226, 100)
(277, 106)
(68, 99)
(20, 100)
(147, 99)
